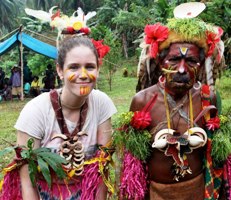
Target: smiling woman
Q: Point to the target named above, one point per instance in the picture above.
(74, 122)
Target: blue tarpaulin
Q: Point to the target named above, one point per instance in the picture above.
(29, 42)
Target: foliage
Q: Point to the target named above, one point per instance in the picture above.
(189, 27)
(161, 10)
(38, 63)
(39, 160)
(9, 10)
(221, 140)
(110, 62)
(133, 139)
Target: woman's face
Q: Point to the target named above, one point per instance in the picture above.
(80, 71)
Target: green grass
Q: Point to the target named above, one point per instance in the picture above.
(224, 87)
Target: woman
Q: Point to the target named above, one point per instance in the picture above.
(83, 115)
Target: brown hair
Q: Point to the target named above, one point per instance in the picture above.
(69, 43)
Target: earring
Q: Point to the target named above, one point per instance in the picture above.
(198, 87)
(162, 80)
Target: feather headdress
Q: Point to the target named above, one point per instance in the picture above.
(184, 27)
(64, 24)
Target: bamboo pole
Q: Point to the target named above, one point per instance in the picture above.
(21, 62)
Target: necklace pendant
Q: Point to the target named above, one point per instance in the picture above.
(180, 171)
(72, 150)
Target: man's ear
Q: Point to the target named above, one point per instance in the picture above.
(59, 71)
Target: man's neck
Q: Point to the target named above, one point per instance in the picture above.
(176, 95)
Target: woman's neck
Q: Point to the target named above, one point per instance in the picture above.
(71, 102)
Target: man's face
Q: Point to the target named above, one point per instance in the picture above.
(183, 61)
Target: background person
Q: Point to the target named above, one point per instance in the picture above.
(2, 77)
(15, 81)
(6, 91)
(49, 79)
(35, 87)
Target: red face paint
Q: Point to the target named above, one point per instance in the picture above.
(182, 58)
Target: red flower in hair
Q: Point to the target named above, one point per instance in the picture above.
(155, 34)
(213, 123)
(213, 39)
(101, 49)
(141, 120)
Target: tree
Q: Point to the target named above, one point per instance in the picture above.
(9, 10)
(110, 62)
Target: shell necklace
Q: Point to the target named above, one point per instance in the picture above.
(178, 145)
(71, 148)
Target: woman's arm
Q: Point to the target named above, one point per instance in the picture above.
(104, 135)
(28, 191)
(104, 132)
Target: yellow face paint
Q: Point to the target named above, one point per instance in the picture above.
(183, 51)
(84, 73)
(84, 90)
(92, 77)
(71, 77)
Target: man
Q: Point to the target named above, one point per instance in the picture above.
(2, 77)
(16, 82)
(49, 79)
(182, 53)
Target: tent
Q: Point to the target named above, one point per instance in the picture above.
(29, 42)
(22, 39)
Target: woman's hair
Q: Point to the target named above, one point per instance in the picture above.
(69, 43)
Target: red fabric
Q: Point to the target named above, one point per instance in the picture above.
(11, 189)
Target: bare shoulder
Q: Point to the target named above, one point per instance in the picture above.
(142, 97)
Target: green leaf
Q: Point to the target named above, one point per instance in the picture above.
(56, 167)
(54, 156)
(30, 143)
(45, 170)
(41, 150)
(32, 167)
(6, 150)
(25, 154)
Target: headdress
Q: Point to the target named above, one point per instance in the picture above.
(70, 26)
(185, 27)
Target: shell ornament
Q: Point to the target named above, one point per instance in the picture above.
(177, 145)
(72, 150)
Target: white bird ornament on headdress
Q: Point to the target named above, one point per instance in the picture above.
(63, 23)
(42, 15)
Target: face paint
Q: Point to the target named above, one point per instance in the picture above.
(71, 77)
(84, 90)
(183, 58)
(84, 73)
(183, 51)
(92, 77)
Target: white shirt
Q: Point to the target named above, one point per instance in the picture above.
(38, 119)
